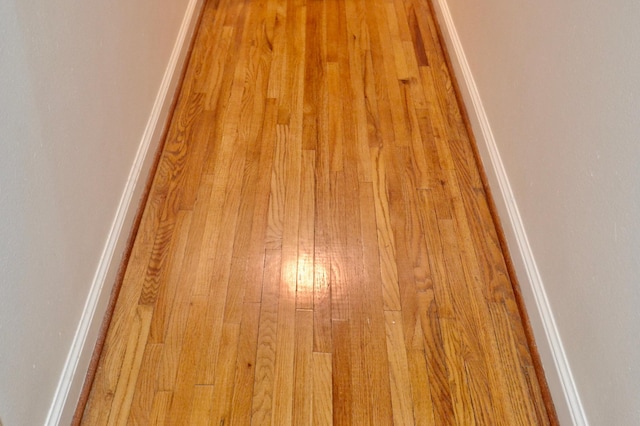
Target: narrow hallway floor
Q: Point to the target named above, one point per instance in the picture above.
(317, 246)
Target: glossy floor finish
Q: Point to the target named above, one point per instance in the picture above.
(317, 246)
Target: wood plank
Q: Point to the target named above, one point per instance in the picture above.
(130, 369)
(254, 268)
(258, 117)
(406, 225)
(376, 360)
(218, 274)
(245, 365)
(171, 331)
(187, 375)
(358, 43)
(522, 403)
(420, 166)
(489, 385)
(363, 367)
(416, 36)
(145, 385)
(160, 407)
(275, 223)
(173, 267)
(455, 351)
(386, 240)
(436, 359)
(303, 369)
(423, 406)
(322, 389)
(336, 124)
(401, 395)
(220, 403)
(322, 338)
(379, 106)
(314, 73)
(262, 405)
(470, 343)
(339, 250)
(276, 34)
(393, 69)
(401, 68)
(201, 407)
(284, 347)
(217, 92)
(306, 240)
(341, 368)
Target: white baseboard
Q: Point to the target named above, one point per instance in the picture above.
(556, 366)
(77, 363)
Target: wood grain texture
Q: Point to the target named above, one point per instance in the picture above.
(303, 369)
(317, 246)
(401, 396)
(322, 390)
(245, 365)
(262, 405)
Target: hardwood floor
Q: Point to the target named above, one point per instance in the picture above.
(317, 246)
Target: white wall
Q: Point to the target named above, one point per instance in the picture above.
(79, 82)
(553, 90)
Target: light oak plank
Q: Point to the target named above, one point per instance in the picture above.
(406, 227)
(376, 361)
(160, 407)
(130, 369)
(258, 116)
(401, 68)
(386, 240)
(201, 406)
(220, 403)
(277, 21)
(277, 193)
(335, 119)
(145, 389)
(455, 351)
(306, 240)
(322, 335)
(322, 390)
(284, 345)
(262, 405)
(167, 293)
(339, 250)
(246, 365)
(303, 369)
(253, 274)
(401, 395)
(172, 330)
(314, 73)
(423, 406)
(437, 370)
(187, 375)
(522, 403)
(393, 69)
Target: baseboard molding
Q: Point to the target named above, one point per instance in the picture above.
(556, 366)
(77, 363)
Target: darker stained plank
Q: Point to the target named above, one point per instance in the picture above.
(341, 376)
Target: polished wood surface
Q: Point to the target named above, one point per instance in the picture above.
(317, 247)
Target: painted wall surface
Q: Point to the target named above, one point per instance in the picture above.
(560, 83)
(77, 84)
